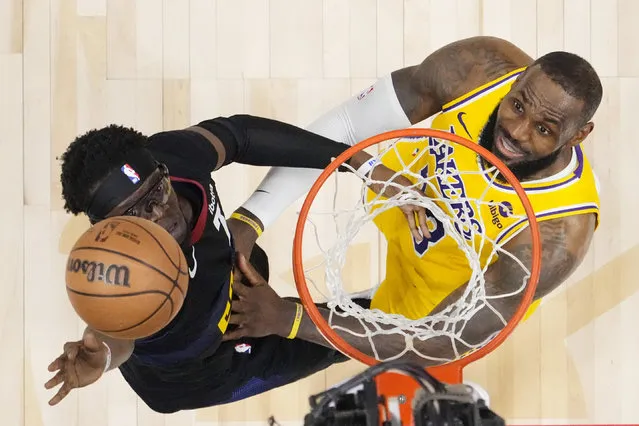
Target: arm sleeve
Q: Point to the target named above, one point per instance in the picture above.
(245, 139)
(375, 110)
(264, 142)
(186, 153)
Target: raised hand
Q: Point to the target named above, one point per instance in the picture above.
(80, 364)
(415, 214)
(258, 311)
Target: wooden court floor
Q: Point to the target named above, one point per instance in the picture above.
(70, 65)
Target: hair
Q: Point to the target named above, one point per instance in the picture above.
(576, 76)
(90, 157)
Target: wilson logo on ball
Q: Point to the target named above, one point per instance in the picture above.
(97, 271)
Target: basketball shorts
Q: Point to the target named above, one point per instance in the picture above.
(237, 370)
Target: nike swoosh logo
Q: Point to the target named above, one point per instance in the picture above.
(261, 190)
(193, 271)
(460, 118)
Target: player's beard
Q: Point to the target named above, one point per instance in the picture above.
(522, 170)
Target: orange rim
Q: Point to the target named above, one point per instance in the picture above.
(298, 270)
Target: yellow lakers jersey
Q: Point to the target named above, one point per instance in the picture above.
(420, 275)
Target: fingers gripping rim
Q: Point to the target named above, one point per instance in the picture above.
(454, 368)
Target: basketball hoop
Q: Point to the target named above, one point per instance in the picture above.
(365, 210)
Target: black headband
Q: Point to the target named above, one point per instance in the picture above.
(121, 182)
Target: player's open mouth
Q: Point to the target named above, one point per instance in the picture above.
(507, 148)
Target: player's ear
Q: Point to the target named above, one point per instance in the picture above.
(582, 134)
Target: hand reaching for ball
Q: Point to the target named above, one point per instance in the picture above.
(81, 364)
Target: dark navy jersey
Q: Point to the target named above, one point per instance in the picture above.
(186, 365)
(196, 331)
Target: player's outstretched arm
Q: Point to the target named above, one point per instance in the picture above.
(398, 100)
(85, 361)
(259, 141)
(564, 243)
(259, 312)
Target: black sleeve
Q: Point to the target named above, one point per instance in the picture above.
(187, 153)
(265, 142)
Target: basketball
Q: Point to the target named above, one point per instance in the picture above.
(126, 277)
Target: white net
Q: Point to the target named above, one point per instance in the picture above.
(470, 225)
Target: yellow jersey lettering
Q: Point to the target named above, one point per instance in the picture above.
(451, 187)
(224, 321)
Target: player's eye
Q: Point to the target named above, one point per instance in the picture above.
(517, 106)
(543, 130)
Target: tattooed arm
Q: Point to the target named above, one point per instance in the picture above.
(453, 70)
(564, 244)
(406, 97)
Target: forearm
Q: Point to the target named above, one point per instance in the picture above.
(375, 110)
(426, 352)
(246, 229)
(483, 324)
(564, 244)
(264, 142)
(386, 345)
(121, 350)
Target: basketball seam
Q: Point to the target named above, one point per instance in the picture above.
(167, 297)
(137, 293)
(176, 278)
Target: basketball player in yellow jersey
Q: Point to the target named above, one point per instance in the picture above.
(532, 114)
(436, 265)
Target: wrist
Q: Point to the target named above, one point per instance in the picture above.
(249, 221)
(358, 159)
(367, 166)
(107, 363)
(291, 317)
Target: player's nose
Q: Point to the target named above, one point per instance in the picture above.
(519, 131)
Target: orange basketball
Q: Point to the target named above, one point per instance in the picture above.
(126, 277)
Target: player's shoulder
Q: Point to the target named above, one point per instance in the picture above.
(169, 141)
(164, 146)
(573, 226)
(481, 59)
(464, 65)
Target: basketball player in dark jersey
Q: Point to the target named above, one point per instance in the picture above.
(166, 178)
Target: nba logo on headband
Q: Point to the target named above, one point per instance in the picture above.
(130, 173)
